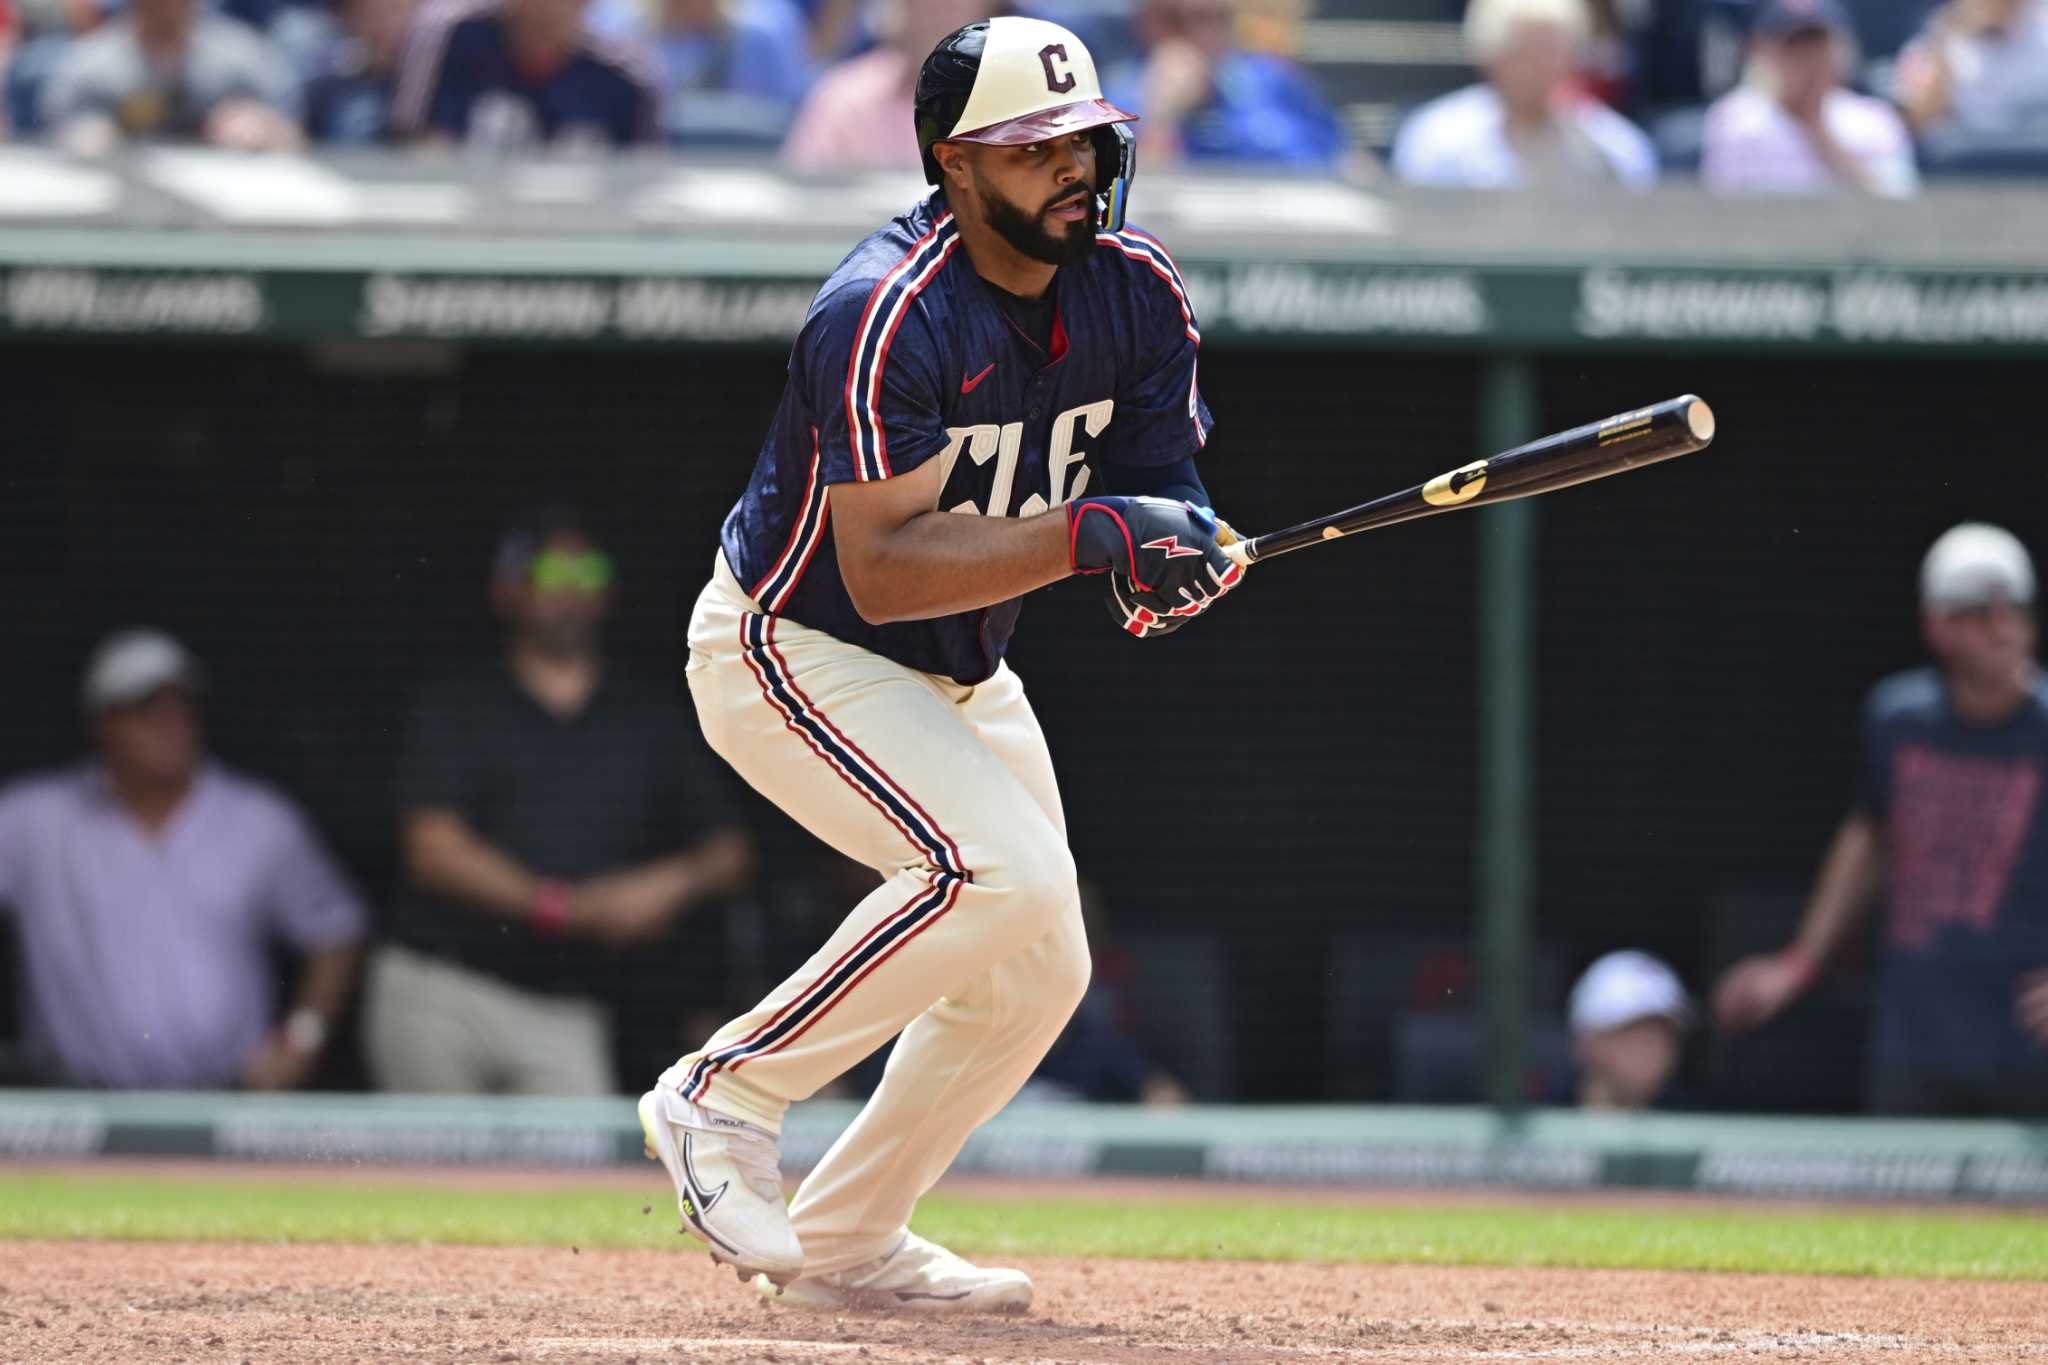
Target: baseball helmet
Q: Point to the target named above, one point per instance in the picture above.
(1010, 81)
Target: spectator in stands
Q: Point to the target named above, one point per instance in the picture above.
(1979, 66)
(512, 74)
(1526, 124)
(1792, 127)
(732, 71)
(46, 29)
(1952, 828)
(858, 117)
(349, 102)
(10, 35)
(1628, 1020)
(149, 885)
(167, 70)
(552, 809)
(1203, 97)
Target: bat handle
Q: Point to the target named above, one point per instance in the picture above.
(1235, 547)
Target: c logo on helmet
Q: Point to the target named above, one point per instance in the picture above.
(1059, 82)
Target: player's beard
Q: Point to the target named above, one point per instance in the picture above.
(1070, 244)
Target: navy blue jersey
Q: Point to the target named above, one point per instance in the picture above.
(905, 357)
(460, 77)
(1965, 822)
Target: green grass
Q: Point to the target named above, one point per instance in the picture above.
(1942, 1245)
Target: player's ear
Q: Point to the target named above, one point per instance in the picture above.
(953, 163)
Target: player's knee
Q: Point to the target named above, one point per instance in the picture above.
(1036, 876)
(1066, 979)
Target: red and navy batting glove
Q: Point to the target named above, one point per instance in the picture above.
(1164, 559)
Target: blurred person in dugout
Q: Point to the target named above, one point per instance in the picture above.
(1098, 1057)
(1978, 66)
(1628, 1016)
(1527, 124)
(1952, 828)
(553, 811)
(150, 883)
(169, 70)
(1201, 96)
(1792, 127)
(858, 115)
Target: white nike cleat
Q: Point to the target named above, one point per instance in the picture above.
(728, 1178)
(917, 1277)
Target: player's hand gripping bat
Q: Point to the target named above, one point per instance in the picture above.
(1629, 440)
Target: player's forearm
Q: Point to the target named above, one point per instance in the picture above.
(940, 563)
(1846, 885)
(325, 979)
(444, 857)
(719, 864)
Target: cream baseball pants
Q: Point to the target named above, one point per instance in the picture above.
(971, 948)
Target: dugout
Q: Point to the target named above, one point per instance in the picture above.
(1621, 716)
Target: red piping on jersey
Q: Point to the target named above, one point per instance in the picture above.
(916, 287)
(795, 535)
(882, 286)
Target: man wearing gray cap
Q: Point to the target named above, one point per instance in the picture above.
(148, 884)
(1952, 824)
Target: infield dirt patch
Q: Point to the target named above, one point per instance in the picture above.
(146, 1302)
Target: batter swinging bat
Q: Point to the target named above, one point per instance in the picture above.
(1629, 440)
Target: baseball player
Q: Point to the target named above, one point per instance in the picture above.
(994, 391)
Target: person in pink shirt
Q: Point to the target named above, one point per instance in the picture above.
(148, 886)
(1792, 127)
(858, 116)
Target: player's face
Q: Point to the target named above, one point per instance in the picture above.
(1040, 197)
(1536, 62)
(1632, 1063)
(155, 740)
(1990, 644)
(1805, 67)
(558, 607)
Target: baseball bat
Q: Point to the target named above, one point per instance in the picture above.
(1628, 440)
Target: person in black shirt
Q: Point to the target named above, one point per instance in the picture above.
(553, 812)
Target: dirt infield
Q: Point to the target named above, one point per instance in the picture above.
(142, 1302)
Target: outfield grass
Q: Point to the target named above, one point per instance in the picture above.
(1948, 1246)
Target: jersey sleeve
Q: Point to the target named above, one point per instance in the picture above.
(312, 905)
(870, 368)
(1160, 415)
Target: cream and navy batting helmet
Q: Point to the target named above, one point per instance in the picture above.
(1010, 81)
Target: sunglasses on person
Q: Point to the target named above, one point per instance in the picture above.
(571, 571)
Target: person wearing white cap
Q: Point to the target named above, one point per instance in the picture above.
(1628, 1020)
(148, 885)
(1952, 824)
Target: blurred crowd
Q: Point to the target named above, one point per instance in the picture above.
(1749, 95)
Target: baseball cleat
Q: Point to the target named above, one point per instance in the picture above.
(917, 1277)
(728, 1179)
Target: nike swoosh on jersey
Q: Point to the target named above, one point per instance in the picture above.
(968, 385)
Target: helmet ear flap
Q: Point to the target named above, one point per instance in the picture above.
(1116, 164)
